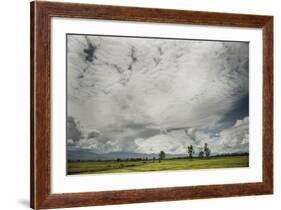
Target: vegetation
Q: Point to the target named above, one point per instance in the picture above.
(201, 154)
(190, 151)
(142, 165)
(161, 156)
(203, 161)
(207, 150)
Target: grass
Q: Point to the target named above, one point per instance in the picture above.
(97, 167)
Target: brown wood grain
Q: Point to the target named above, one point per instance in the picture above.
(41, 14)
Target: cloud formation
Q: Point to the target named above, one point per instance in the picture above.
(146, 95)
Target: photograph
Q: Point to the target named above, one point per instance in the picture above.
(180, 100)
(144, 104)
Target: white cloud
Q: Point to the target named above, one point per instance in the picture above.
(230, 140)
(70, 141)
(173, 143)
(236, 138)
(160, 84)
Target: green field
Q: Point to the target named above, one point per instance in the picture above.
(97, 167)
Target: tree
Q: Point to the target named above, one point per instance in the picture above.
(200, 154)
(207, 150)
(161, 156)
(190, 151)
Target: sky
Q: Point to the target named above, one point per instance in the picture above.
(144, 95)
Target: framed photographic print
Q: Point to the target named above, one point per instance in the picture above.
(134, 105)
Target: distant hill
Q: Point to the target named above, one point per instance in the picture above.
(89, 155)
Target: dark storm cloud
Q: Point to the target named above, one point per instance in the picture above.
(90, 52)
(136, 126)
(145, 133)
(239, 111)
(73, 131)
(93, 134)
(133, 57)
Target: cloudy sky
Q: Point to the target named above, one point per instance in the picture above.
(145, 95)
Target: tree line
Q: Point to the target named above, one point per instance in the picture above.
(190, 151)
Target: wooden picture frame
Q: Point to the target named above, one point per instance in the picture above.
(41, 14)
